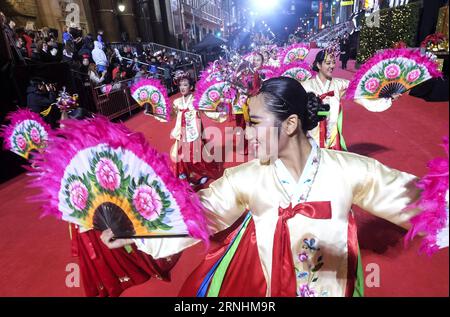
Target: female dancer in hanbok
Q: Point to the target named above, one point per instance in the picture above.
(299, 236)
(188, 151)
(258, 60)
(331, 90)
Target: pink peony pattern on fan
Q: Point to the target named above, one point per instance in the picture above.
(390, 72)
(26, 133)
(295, 52)
(151, 91)
(210, 94)
(95, 164)
(298, 70)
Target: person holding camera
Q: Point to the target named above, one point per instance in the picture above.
(40, 97)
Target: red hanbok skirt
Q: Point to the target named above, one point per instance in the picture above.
(107, 273)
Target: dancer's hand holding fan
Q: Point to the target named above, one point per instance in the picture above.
(98, 174)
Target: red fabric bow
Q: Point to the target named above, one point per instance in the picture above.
(284, 281)
(327, 94)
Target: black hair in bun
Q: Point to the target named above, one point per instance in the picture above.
(315, 106)
(320, 57)
(285, 96)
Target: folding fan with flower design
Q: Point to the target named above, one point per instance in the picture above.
(26, 133)
(98, 174)
(298, 70)
(151, 91)
(209, 95)
(391, 72)
(295, 52)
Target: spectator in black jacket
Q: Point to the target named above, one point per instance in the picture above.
(40, 96)
(345, 50)
(88, 46)
(139, 47)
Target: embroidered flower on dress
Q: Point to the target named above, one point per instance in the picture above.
(309, 263)
(303, 257)
(305, 291)
(302, 275)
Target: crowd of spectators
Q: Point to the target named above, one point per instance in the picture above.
(102, 63)
(332, 34)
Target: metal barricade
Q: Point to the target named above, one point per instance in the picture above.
(154, 47)
(114, 100)
(183, 54)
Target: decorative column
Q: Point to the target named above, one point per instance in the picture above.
(143, 8)
(169, 9)
(108, 20)
(157, 22)
(128, 20)
(49, 14)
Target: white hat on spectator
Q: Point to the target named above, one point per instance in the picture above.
(30, 26)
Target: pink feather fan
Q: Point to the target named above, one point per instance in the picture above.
(100, 175)
(27, 132)
(390, 72)
(433, 203)
(151, 91)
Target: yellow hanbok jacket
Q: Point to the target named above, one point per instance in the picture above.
(342, 178)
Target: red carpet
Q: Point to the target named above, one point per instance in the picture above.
(35, 253)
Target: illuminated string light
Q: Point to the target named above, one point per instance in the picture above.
(399, 24)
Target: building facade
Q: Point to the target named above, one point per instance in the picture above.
(194, 19)
(175, 23)
(55, 14)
